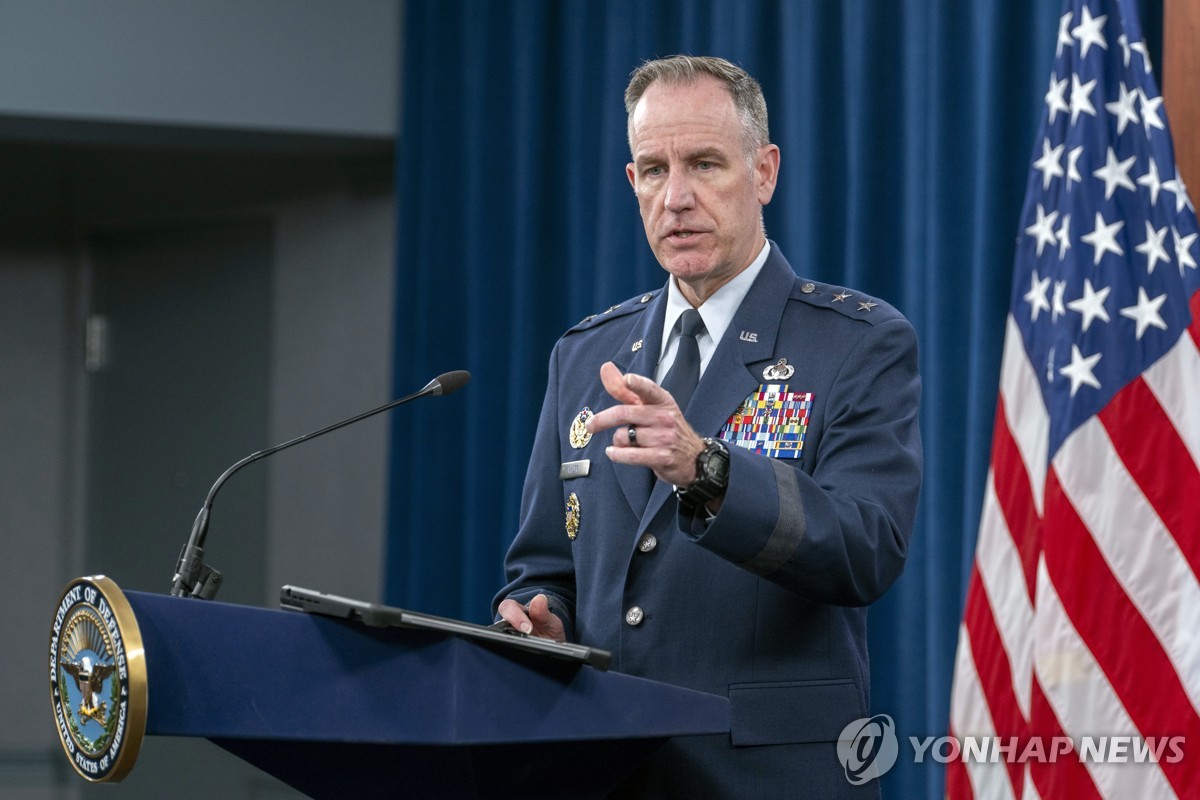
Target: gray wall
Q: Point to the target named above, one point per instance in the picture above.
(311, 66)
(332, 334)
(142, 115)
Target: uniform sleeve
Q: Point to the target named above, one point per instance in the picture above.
(539, 560)
(840, 534)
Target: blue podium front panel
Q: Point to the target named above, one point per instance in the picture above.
(331, 706)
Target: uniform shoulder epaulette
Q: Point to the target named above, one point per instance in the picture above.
(848, 302)
(630, 306)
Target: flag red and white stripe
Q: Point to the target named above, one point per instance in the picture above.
(1082, 615)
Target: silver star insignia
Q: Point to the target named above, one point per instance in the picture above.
(841, 297)
(866, 306)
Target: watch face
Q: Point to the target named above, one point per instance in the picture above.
(718, 468)
(716, 463)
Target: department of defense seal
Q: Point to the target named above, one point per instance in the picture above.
(98, 679)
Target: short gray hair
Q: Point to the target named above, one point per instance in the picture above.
(681, 70)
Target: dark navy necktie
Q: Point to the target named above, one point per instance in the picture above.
(684, 374)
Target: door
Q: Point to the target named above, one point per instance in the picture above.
(179, 343)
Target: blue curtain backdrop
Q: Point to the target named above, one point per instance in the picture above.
(906, 128)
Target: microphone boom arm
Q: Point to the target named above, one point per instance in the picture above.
(194, 578)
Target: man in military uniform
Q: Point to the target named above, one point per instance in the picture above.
(726, 470)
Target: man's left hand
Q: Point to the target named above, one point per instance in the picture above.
(665, 442)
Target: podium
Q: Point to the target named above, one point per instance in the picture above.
(337, 709)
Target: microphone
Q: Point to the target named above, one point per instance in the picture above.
(194, 578)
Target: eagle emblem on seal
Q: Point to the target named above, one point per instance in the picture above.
(89, 679)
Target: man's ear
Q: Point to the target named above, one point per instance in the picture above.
(766, 172)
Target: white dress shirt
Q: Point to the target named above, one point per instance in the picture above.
(717, 312)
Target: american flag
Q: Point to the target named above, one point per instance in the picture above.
(1082, 616)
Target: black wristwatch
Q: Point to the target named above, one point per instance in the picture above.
(712, 477)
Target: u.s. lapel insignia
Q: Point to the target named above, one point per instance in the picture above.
(779, 371)
(572, 516)
(579, 435)
(637, 346)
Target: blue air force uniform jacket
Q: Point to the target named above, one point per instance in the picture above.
(766, 603)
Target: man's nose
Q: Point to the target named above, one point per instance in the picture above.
(679, 191)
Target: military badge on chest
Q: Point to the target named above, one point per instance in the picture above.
(578, 434)
(572, 516)
(779, 371)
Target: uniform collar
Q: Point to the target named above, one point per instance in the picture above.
(717, 311)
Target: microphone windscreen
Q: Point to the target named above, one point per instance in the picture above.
(452, 381)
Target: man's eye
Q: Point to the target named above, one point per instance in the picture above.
(705, 165)
(654, 172)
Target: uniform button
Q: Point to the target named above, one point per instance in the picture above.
(634, 616)
(647, 543)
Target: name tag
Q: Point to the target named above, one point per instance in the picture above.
(575, 469)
